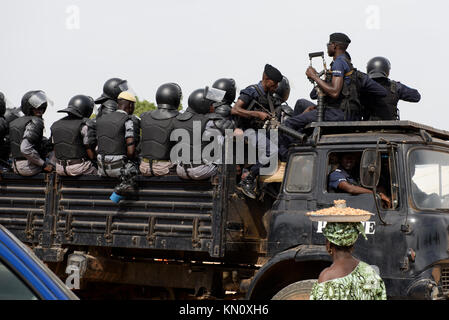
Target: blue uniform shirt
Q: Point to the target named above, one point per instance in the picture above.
(250, 93)
(337, 176)
(407, 94)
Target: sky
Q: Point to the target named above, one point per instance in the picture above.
(72, 47)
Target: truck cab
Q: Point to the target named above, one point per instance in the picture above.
(407, 243)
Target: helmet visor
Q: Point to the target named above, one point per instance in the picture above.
(39, 99)
(214, 94)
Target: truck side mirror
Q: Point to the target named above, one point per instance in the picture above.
(370, 168)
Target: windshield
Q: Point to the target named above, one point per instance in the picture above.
(429, 173)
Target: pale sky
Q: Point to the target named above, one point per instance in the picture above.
(72, 47)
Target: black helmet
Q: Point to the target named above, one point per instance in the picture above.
(80, 106)
(111, 89)
(168, 96)
(228, 85)
(283, 91)
(33, 99)
(198, 103)
(2, 104)
(378, 67)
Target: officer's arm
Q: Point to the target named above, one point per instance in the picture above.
(130, 148)
(330, 89)
(408, 94)
(239, 111)
(352, 189)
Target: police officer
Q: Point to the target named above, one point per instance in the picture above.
(280, 97)
(386, 108)
(157, 126)
(221, 118)
(117, 136)
(26, 136)
(4, 142)
(108, 103)
(187, 152)
(69, 135)
(252, 109)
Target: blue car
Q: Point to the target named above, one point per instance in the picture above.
(23, 276)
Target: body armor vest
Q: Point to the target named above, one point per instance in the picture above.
(348, 100)
(16, 131)
(384, 108)
(187, 125)
(111, 133)
(156, 142)
(68, 142)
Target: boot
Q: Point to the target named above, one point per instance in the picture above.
(248, 186)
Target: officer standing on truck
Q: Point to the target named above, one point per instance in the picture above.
(4, 145)
(386, 108)
(117, 136)
(251, 109)
(221, 117)
(157, 126)
(195, 118)
(71, 144)
(26, 136)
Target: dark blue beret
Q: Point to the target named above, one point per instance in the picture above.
(273, 73)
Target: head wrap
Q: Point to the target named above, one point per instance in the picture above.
(339, 37)
(343, 234)
(273, 73)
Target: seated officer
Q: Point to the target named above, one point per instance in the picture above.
(342, 180)
(117, 136)
(157, 126)
(70, 139)
(26, 136)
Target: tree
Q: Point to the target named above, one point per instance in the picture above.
(143, 106)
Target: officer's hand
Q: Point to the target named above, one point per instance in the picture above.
(262, 115)
(48, 168)
(311, 73)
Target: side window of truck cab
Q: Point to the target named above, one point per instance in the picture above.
(344, 170)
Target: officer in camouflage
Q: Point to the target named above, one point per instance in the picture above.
(26, 136)
(118, 135)
(192, 165)
(386, 108)
(71, 144)
(157, 126)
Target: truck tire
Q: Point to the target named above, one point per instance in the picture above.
(299, 290)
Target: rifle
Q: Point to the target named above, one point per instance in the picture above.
(320, 106)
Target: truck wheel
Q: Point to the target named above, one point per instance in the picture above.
(296, 291)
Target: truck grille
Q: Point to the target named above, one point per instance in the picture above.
(445, 279)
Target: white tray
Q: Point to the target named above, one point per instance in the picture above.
(341, 218)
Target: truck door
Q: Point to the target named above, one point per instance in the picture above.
(386, 244)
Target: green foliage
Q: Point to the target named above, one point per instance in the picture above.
(143, 106)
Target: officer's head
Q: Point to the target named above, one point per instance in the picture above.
(80, 106)
(168, 96)
(378, 67)
(227, 85)
(126, 101)
(348, 160)
(198, 102)
(338, 43)
(271, 78)
(34, 103)
(111, 89)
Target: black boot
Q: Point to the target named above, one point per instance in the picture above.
(248, 186)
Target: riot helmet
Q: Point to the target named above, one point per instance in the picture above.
(111, 89)
(378, 67)
(80, 106)
(168, 96)
(36, 99)
(198, 102)
(228, 85)
(12, 114)
(283, 90)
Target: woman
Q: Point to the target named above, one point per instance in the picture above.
(347, 278)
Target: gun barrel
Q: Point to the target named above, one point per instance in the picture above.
(292, 133)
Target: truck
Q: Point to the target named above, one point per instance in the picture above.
(184, 239)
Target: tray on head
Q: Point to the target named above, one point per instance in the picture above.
(340, 218)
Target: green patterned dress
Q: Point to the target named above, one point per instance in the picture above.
(363, 283)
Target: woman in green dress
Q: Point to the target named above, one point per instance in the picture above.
(347, 278)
